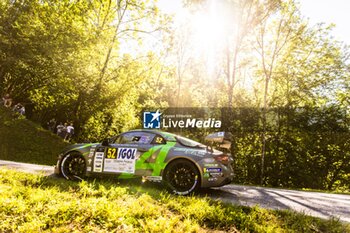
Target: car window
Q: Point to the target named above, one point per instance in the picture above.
(168, 136)
(135, 138)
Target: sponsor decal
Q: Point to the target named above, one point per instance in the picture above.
(98, 161)
(213, 175)
(211, 165)
(144, 139)
(191, 151)
(212, 169)
(121, 162)
(209, 160)
(111, 153)
(100, 149)
(158, 140)
(91, 153)
(216, 174)
(212, 179)
(126, 153)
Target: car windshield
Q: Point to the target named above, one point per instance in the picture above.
(133, 138)
(188, 142)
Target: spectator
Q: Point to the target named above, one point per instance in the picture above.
(16, 107)
(51, 125)
(64, 131)
(22, 110)
(70, 132)
(19, 108)
(7, 101)
(60, 127)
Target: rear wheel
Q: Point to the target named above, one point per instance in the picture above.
(181, 177)
(73, 166)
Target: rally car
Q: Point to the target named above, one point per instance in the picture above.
(183, 165)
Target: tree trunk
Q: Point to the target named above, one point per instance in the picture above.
(263, 149)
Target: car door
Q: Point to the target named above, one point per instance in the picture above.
(120, 156)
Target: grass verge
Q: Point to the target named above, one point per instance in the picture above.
(36, 203)
(22, 140)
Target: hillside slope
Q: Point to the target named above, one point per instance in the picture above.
(25, 141)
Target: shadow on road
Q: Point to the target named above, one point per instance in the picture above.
(315, 204)
(244, 196)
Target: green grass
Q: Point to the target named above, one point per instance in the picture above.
(37, 203)
(25, 141)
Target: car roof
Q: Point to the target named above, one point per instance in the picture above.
(166, 135)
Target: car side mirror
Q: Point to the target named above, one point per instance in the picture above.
(105, 142)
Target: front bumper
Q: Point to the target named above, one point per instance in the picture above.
(58, 164)
(56, 170)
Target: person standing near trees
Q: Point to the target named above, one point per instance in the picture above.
(22, 110)
(60, 127)
(19, 108)
(70, 132)
(64, 131)
(7, 100)
(51, 125)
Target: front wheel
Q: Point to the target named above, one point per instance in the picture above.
(73, 166)
(181, 177)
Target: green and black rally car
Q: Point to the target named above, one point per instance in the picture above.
(183, 165)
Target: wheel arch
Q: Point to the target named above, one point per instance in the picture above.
(65, 154)
(188, 159)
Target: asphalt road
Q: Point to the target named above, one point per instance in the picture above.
(323, 205)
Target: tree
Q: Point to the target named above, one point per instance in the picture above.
(63, 57)
(272, 38)
(295, 62)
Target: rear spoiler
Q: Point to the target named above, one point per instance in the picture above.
(222, 138)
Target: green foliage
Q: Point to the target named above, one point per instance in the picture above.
(305, 147)
(63, 57)
(25, 141)
(32, 203)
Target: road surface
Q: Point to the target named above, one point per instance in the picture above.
(323, 205)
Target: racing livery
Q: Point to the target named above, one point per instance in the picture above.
(183, 165)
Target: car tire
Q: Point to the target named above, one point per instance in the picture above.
(181, 177)
(73, 166)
